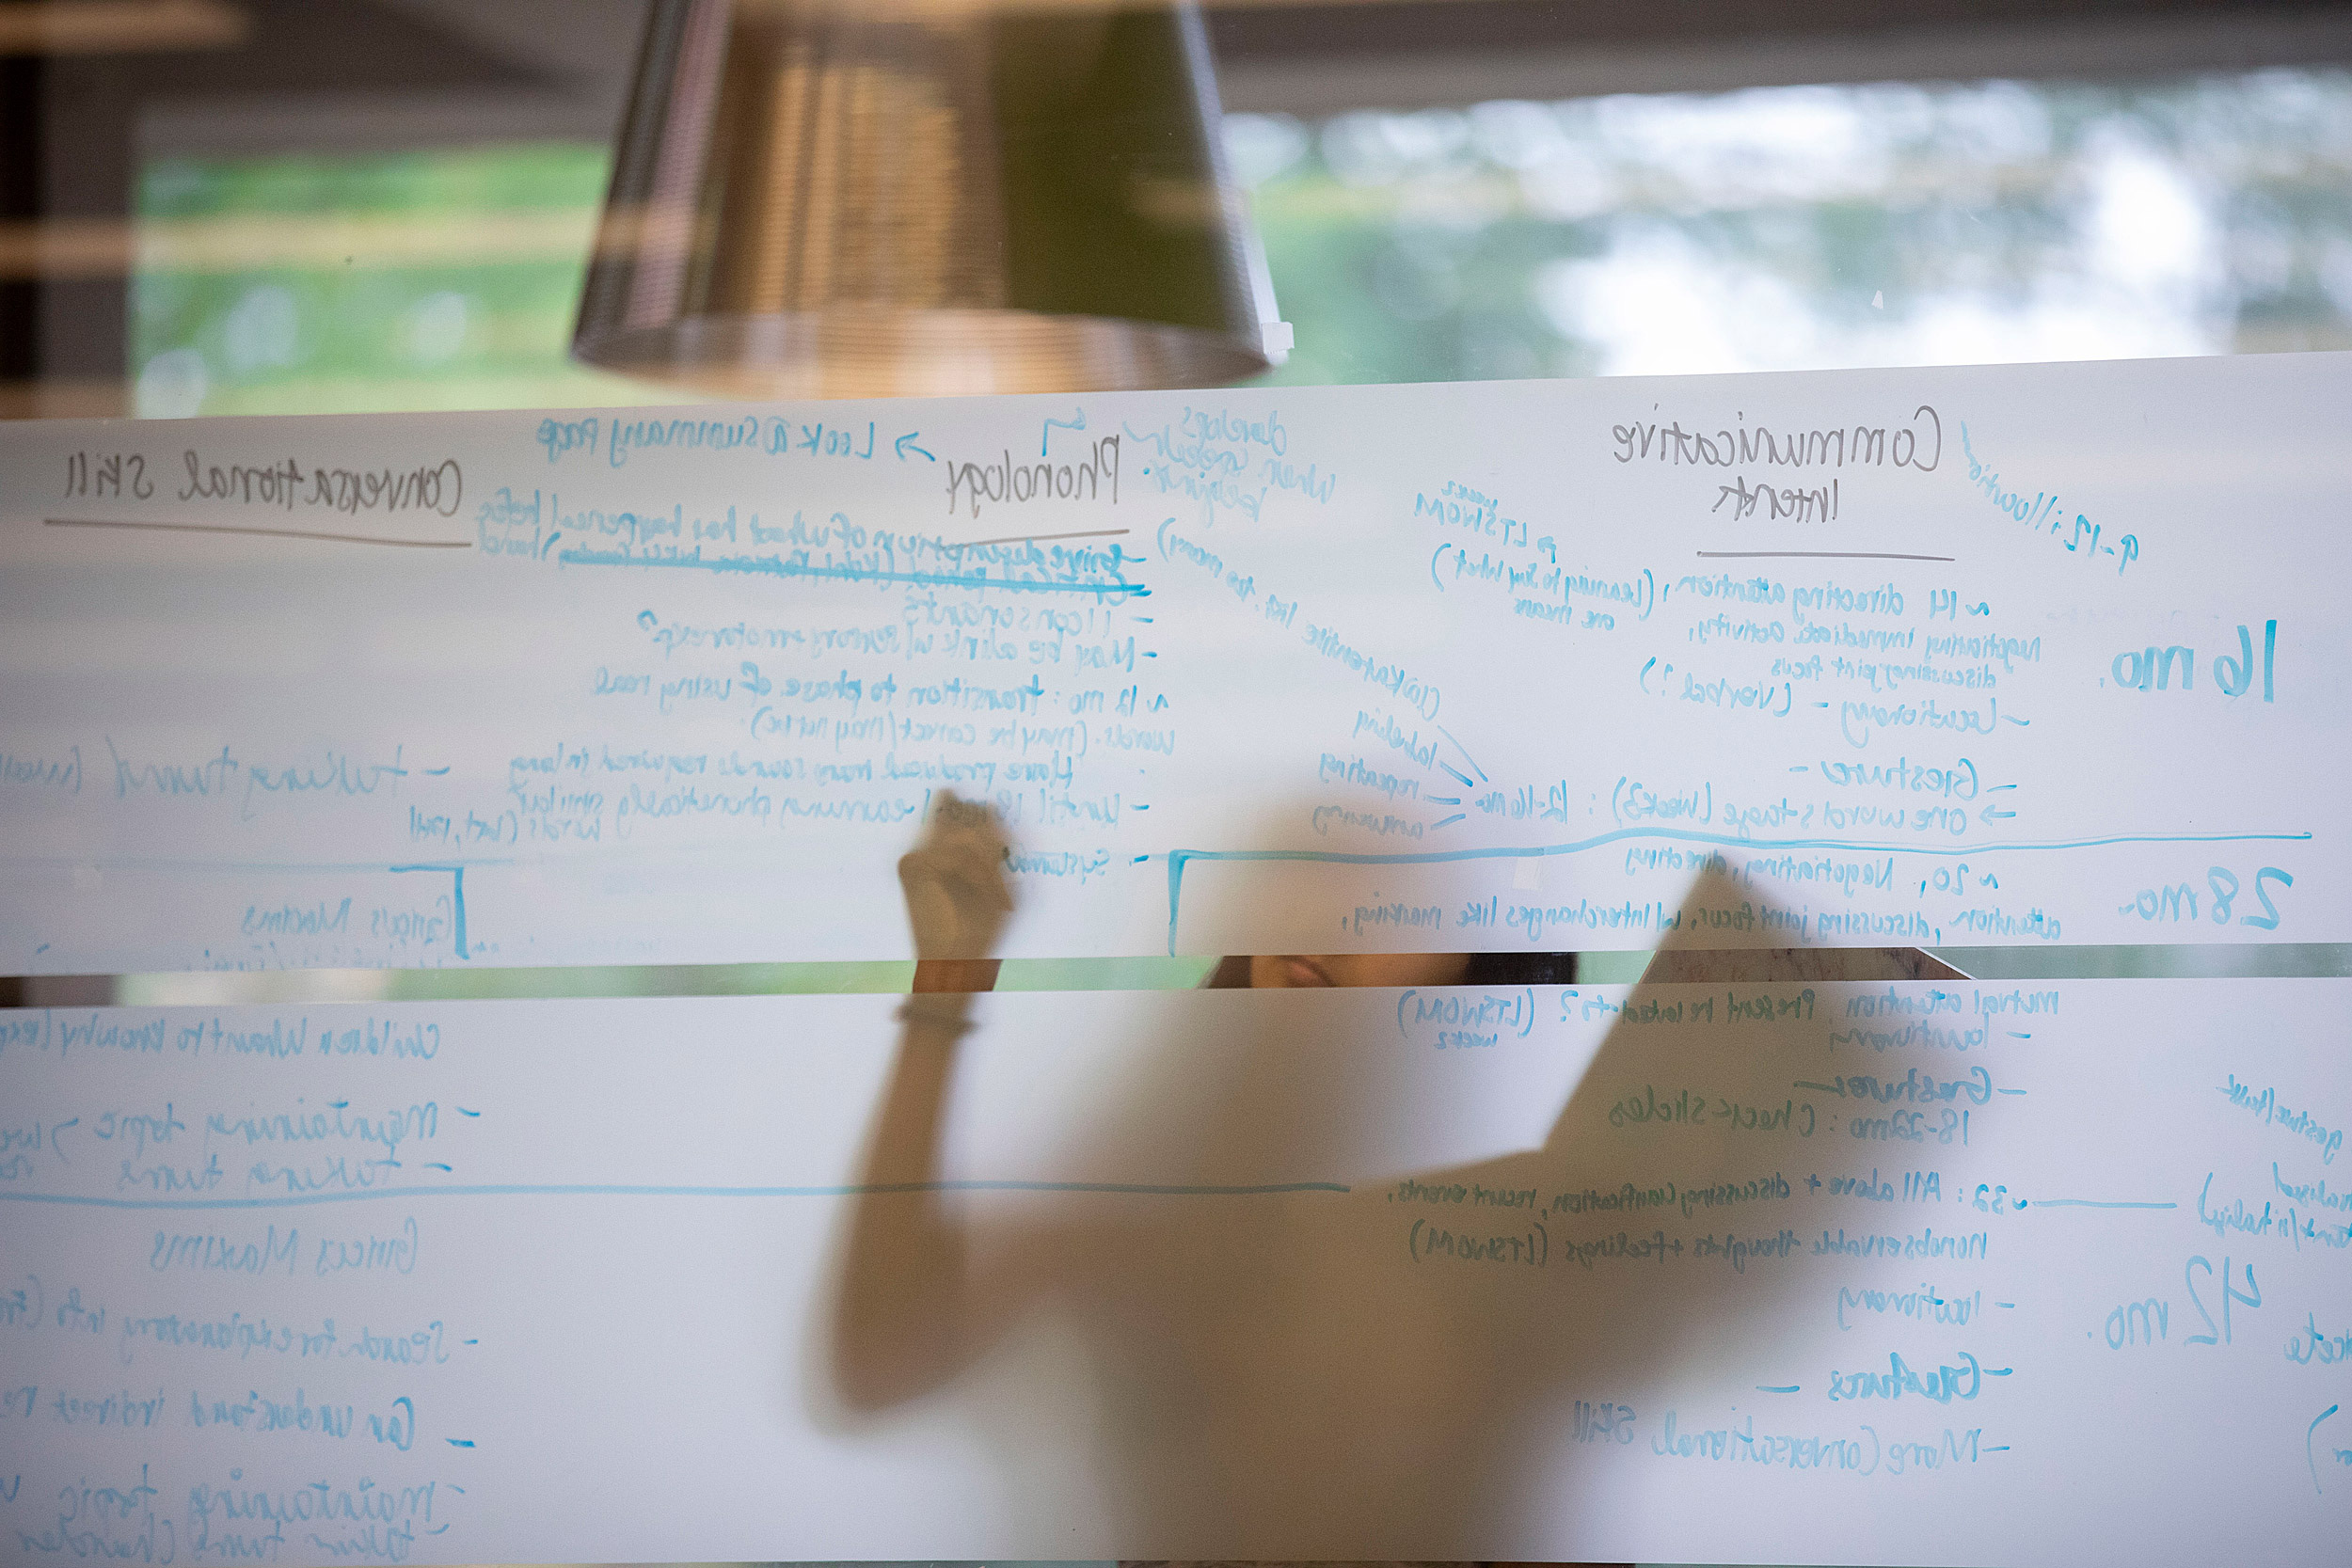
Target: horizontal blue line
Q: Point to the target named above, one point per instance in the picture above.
(2093, 1203)
(184, 862)
(304, 1200)
(764, 567)
(1427, 857)
(1776, 1389)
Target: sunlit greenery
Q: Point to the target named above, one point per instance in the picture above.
(1811, 228)
(439, 279)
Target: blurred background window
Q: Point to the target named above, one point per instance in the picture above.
(433, 278)
(1803, 227)
(1789, 228)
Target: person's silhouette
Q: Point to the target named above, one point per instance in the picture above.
(1386, 1372)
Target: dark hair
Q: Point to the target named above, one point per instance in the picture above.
(1485, 968)
(1520, 969)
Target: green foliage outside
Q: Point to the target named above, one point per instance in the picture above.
(459, 274)
(1811, 228)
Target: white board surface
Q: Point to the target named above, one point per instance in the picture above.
(1853, 1274)
(1954, 656)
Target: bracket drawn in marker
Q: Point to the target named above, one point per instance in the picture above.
(1178, 860)
(456, 902)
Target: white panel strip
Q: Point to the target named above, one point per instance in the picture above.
(1834, 1273)
(1952, 657)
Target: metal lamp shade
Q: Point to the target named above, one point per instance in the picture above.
(815, 199)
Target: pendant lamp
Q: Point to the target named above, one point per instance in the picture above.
(816, 198)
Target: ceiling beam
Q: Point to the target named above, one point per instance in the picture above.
(1320, 59)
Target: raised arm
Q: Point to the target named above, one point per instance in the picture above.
(902, 1326)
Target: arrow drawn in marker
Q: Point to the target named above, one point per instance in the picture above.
(1466, 757)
